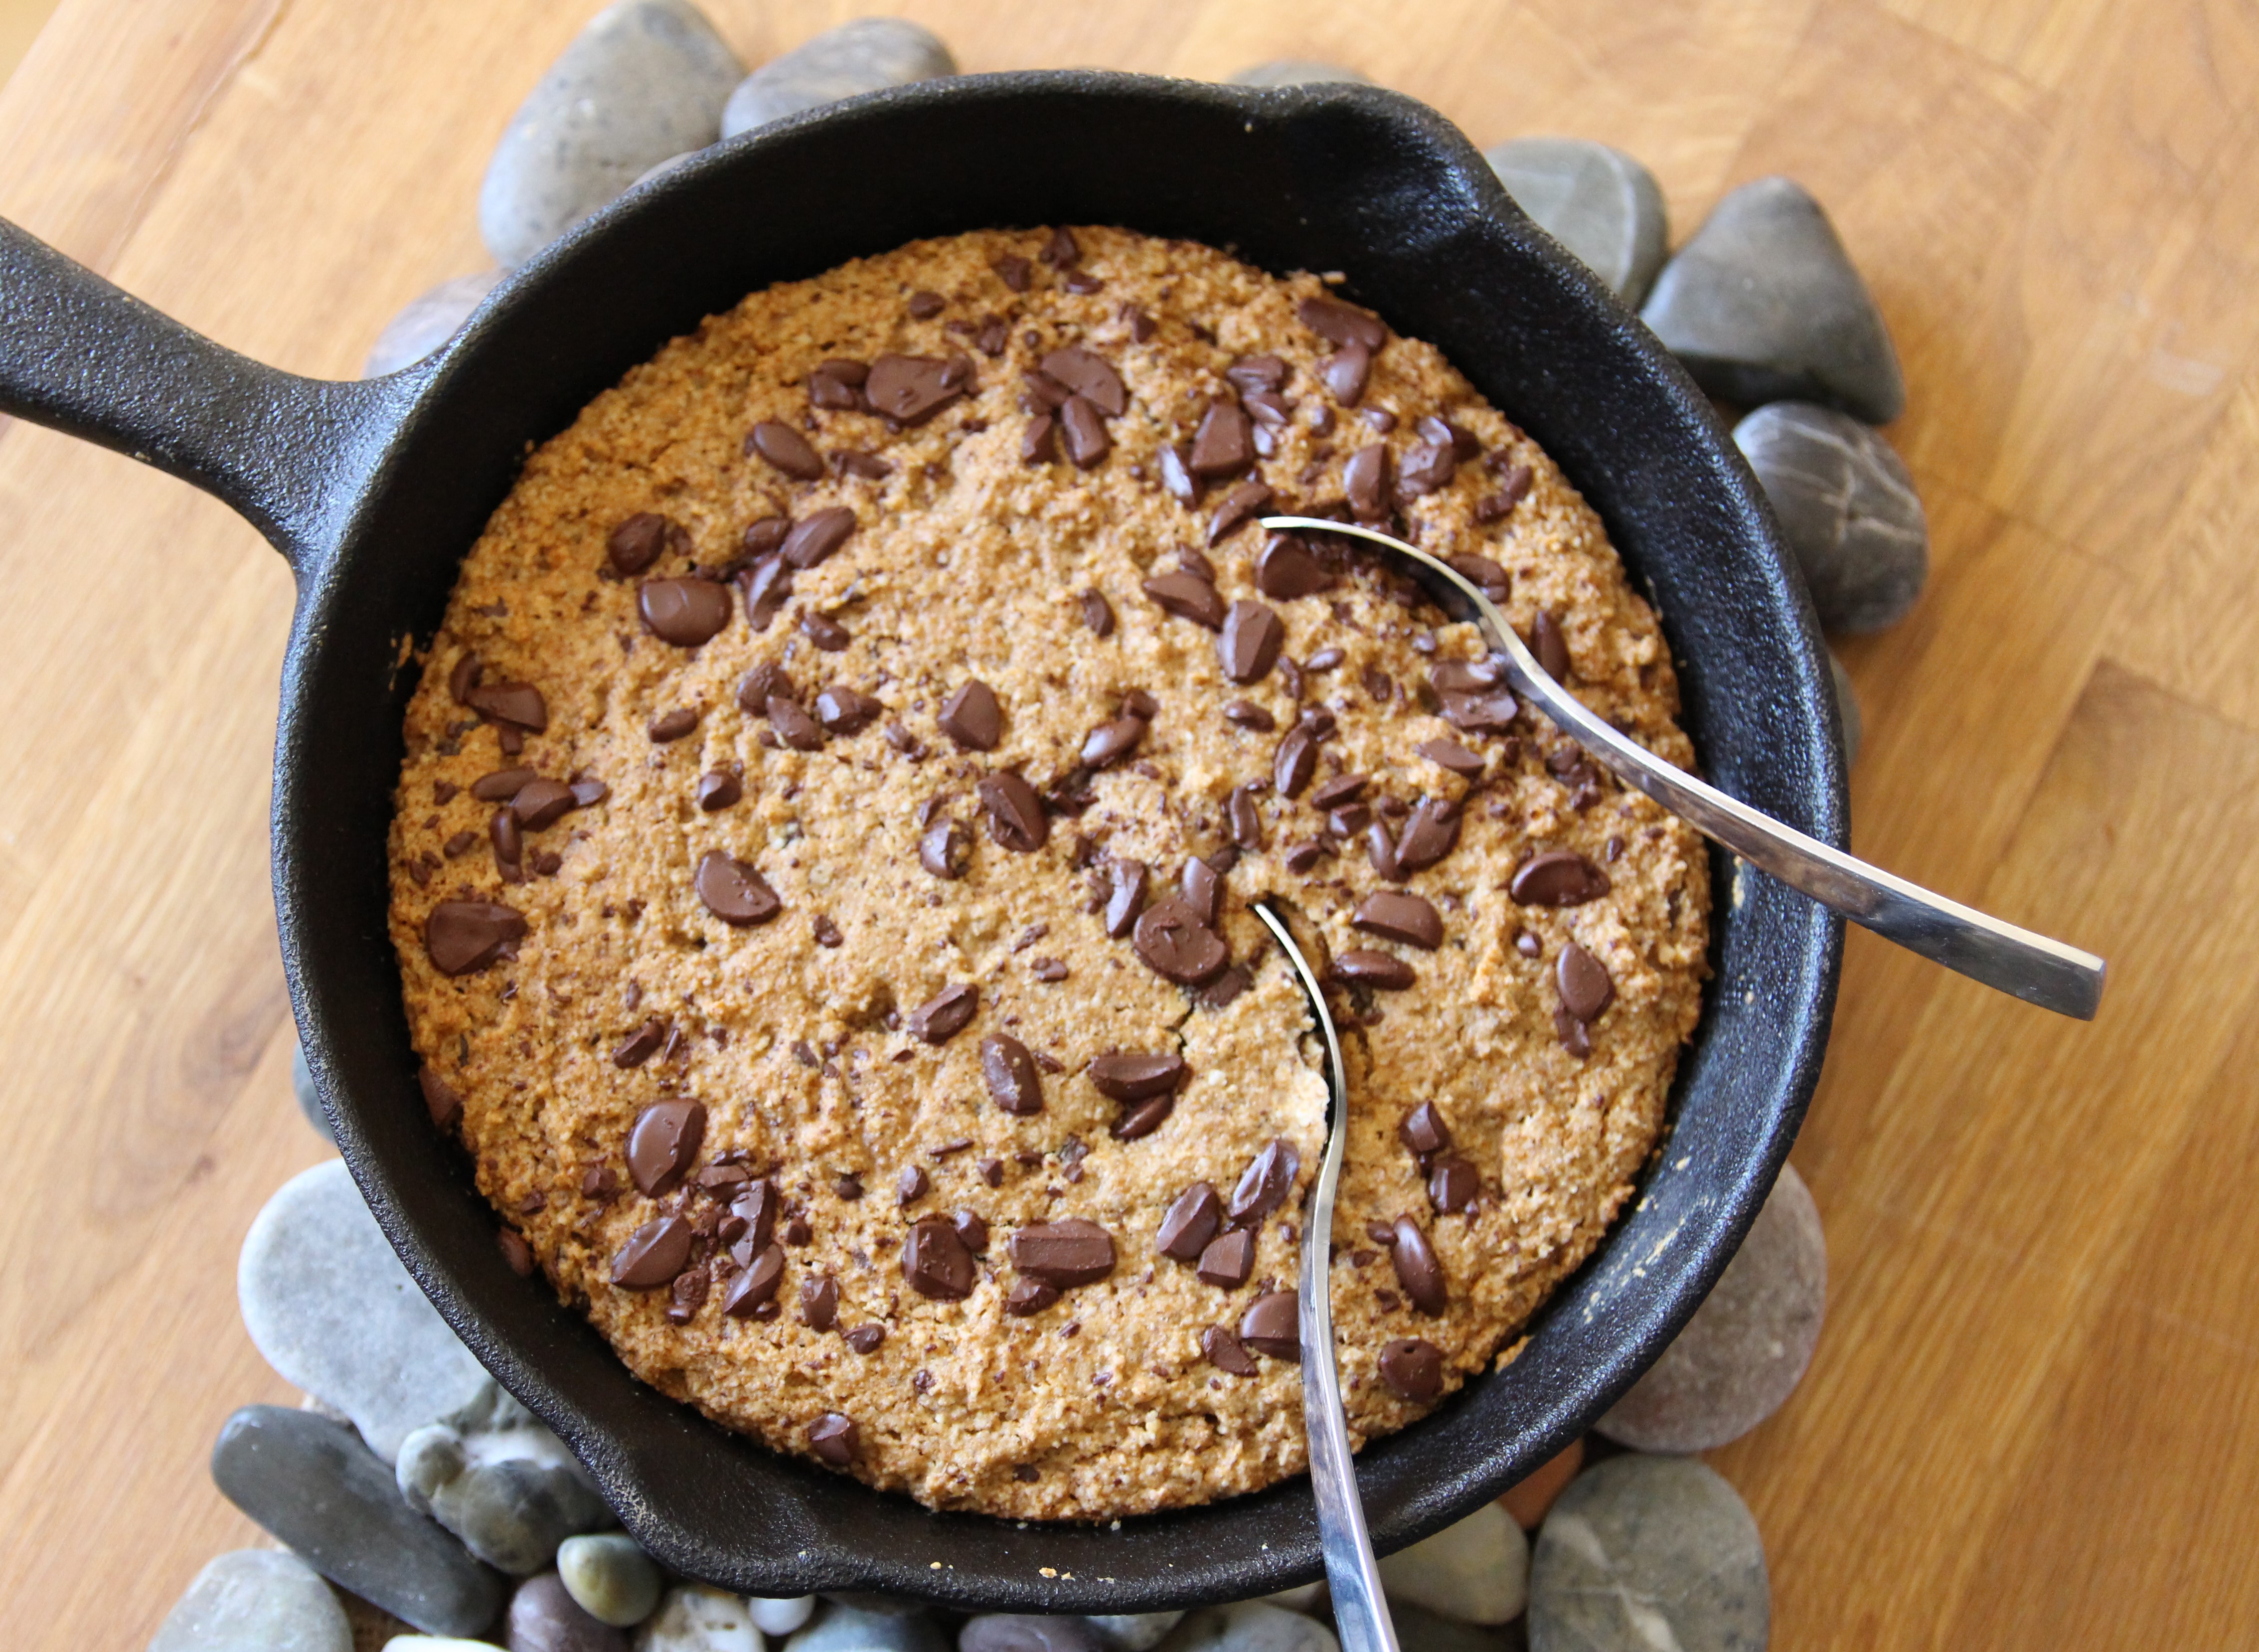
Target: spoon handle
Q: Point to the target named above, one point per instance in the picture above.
(1360, 1609)
(2016, 961)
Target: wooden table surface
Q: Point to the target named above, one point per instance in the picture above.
(2033, 1417)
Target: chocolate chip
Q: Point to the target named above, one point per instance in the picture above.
(462, 937)
(1250, 639)
(1047, 969)
(911, 389)
(1342, 325)
(825, 632)
(1111, 741)
(827, 933)
(1227, 1260)
(763, 683)
(819, 1302)
(1202, 890)
(1303, 856)
(971, 717)
(946, 849)
(685, 612)
(1257, 372)
(664, 1143)
(1014, 271)
(1342, 788)
(1142, 1119)
(1097, 613)
(1379, 419)
(764, 537)
(1063, 1253)
(1221, 1346)
(541, 803)
(1246, 714)
(925, 305)
(1417, 1269)
(1188, 597)
(765, 586)
(1550, 646)
(1082, 430)
(936, 1262)
(1364, 479)
(1586, 989)
(718, 790)
(1466, 676)
(1296, 760)
(1176, 945)
(1089, 375)
(636, 543)
(1128, 897)
(1060, 251)
(1346, 372)
(1265, 1183)
(517, 1255)
(1399, 917)
(835, 1438)
(1286, 570)
(668, 727)
(1029, 1296)
(971, 1230)
(734, 891)
(1484, 574)
(1488, 713)
(464, 678)
(1452, 1183)
(642, 1043)
(1223, 445)
(945, 1014)
(1125, 1075)
(1558, 878)
(1424, 1131)
(787, 449)
(439, 1098)
(1010, 1072)
(653, 1254)
(1014, 812)
(1246, 817)
(1189, 1223)
(1142, 326)
(1380, 849)
(1238, 507)
(1177, 481)
(817, 535)
(1272, 1325)
(1431, 833)
(756, 1284)
(1413, 1369)
(1039, 441)
(843, 711)
(1428, 467)
(1450, 754)
(504, 784)
(519, 705)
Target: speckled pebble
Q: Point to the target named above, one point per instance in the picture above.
(1763, 305)
(1597, 202)
(609, 1577)
(435, 1643)
(868, 54)
(696, 1618)
(1642, 1552)
(428, 321)
(309, 1099)
(645, 80)
(1847, 708)
(838, 1629)
(781, 1616)
(1475, 1572)
(544, 1618)
(512, 1495)
(1743, 1351)
(1252, 1625)
(1136, 1631)
(1846, 506)
(256, 1600)
(329, 1305)
(1017, 1632)
(312, 1484)
(1298, 71)
(1419, 1630)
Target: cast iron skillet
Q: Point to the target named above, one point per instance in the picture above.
(374, 491)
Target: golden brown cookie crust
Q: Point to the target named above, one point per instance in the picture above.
(965, 561)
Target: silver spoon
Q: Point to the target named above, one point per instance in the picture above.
(1360, 1609)
(2014, 961)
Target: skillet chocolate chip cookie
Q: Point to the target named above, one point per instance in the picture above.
(822, 856)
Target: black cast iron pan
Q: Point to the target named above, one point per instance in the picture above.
(374, 490)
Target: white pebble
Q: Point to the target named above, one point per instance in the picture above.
(780, 1617)
(697, 1618)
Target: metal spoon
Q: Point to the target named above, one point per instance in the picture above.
(1360, 1609)
(2015, 961)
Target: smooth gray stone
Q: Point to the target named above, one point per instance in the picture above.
(1298, 71)
(329, 1305)
(1763, 305)
(1136, 1631)
(1249, 1626)
(256, 1600)
(1419, 1630)
(313, 1484)
(1028, 1632)
(543, 1618)
(866, 55)
(1847, 708)
(1476, 1570)
(838, 1629)
(696, 1618)
(645, 80)
(512, 1496)
(612, 1580)
(310, 1101)
(1848, 509)
(1747, 1346)
(427, 322)
(1645, 1552)
(1597, 202)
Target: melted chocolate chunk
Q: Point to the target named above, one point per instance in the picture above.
(684, 612)
(1484, 574)
(1082, 430)
(1551, 645)
(1097, 613)
(642, 1043)
(1364, 479)
(439, 1098)
(1176, 946)
(1227, 1260)
(1450, 754)
(1265, 1183)
(972, 718)
(1125, 1075)
(1188, 597)
(1272, 1326)
(819, 1302)
(1089, 375)
(946, 849)
(463, 936)
(1413, 1368)
(1417, 1269)
(1190, 1223)
(1245, 714)
(945, 1014)
(1398, 916)
(1346, 372)
(664, 1144)
(911, 389)
(1127, 898)
(1111, 741)
(1296, 761)
(1202, 889)
(1142, 1119)
(835, 1438)
(519, 705)
(734, 891)
(936, 1262)
(718, 790)
(843, 711)
(1341, 324)
(787, 449)
(1250, 639)
(1428, 467)
(1246, 817)
(1010, 1072)
(1586, 988)
(1286, 570)
(1424, 1131)
(664, 728)
(1064, 1254)
(1221, 1346)
(817, 535)
(1014, 813)
(1029, 1297)
(1558, 878)
(1238, 507)
(1431, 833)
(756, 1284)
(636, 543)
(1223, 445)
(653, 1254)
(1452, 1183)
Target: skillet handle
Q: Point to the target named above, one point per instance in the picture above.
(290, 454)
